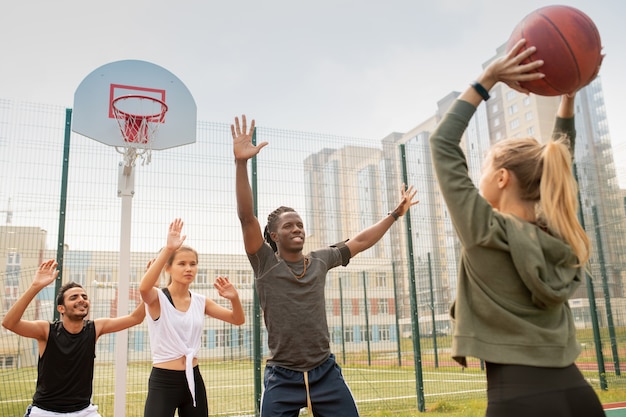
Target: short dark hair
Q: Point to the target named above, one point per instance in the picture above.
(61, 293)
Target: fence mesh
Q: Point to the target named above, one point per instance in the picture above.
(340, 185)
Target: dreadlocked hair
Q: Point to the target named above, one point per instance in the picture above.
(544, 173)
(270, 227)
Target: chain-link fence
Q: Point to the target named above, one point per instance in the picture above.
(387, 311)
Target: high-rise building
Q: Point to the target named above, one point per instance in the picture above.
(435, 248)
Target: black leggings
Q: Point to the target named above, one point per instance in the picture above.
(522, 391)
(168, 391)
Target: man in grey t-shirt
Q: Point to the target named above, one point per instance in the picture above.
(301, 370)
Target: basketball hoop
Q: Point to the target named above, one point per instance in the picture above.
(139, 118)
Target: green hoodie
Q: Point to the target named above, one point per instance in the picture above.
(514, 278)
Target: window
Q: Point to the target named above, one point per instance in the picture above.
(205, 338)
(12, 283)
(345, 280)
(202, 276)
(361, 307)
(222, 338)
(526, 101)
(384, 333)
(383, 306)
(367, 334)
(510, 95)
(348, 334)
(330, 308)
(531, 131)
(496, 122)
(7, 362)
(103, 275)
(513, 109)
(381, 280)
(529, 115)
(135, 338)
(494, 108)
(514, 123)
(243, 278)
(220, 273)
(79, 277)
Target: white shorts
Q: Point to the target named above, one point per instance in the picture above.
(91, 411)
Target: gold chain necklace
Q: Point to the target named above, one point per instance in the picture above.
(305, 263)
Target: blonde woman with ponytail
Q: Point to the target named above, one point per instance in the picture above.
(523, 254)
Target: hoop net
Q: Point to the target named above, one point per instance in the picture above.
(139, 118)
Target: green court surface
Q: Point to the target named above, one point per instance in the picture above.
(615, 409)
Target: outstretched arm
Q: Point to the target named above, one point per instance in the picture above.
(37, 329)
(147, 284)
(368, 237)
(227, 290)
(111, 325)
(566, 107)
(244, 150)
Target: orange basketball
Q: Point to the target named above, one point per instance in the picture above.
(567, 41)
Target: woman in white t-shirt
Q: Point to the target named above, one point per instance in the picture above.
(175, 322)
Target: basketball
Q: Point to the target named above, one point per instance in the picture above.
(567, 41)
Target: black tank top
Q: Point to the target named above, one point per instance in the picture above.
(65, 370)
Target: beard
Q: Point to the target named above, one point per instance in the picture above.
(76, 313)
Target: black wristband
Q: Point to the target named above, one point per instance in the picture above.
(393, 214)
(480, 90)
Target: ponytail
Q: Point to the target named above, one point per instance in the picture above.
(544, 173)
(559, 198)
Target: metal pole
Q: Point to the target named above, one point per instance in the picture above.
(432, 311)
(343, 335)
(607, 295)
(126, 190)
(397, 310)
(62, 205)
(417, 354)
(256, 306)
(593, 311)
(367, 320)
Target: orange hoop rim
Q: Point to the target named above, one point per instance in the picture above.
(148, 117)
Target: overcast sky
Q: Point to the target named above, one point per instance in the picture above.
(353, 68)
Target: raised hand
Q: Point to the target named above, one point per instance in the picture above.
(511, 70)
(406, 200)
(174, 238)
(46, 274)
(242, 140)
(225, 288)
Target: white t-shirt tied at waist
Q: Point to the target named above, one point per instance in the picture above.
(176, 333)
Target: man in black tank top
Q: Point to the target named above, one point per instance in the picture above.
(67, 348)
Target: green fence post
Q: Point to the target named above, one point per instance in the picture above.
(432, 311)
(397, 312)
(256, 306)
(367, 320)
(605, 289)
(62, 205)
(593, 311)
(417, 354)
(343, 335)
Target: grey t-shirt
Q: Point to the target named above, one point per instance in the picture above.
(294, 309)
